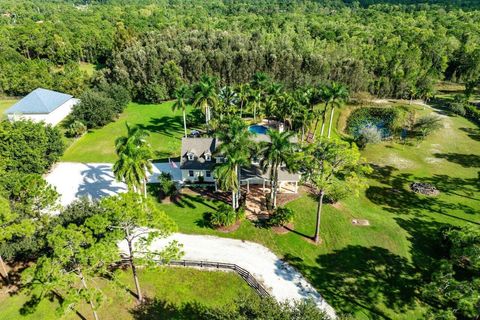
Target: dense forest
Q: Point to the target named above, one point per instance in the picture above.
(151, 47)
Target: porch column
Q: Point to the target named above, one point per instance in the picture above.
(216, 187)
(248, 186)
(296, 186)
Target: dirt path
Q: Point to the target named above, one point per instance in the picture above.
(281, 280)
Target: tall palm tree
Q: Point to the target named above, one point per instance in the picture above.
(228, 99)
(279, 150)
(205, 96)
(134, 161)
(183, 96)
(255, 101)
(243, 93)
(326, 95)
(228, 174)
(339, 94)
(236, 141)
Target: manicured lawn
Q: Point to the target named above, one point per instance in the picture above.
(171, 287)
(165, 128)
(6, 103)
(376, 271)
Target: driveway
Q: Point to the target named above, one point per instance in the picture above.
(281, 280)
(74, 180)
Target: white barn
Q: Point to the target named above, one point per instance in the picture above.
(44, 105)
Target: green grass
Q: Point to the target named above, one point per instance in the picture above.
(165, 128)
(6, 103)
(375, 271)
(173, 287)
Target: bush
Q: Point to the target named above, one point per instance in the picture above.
(369, 134)
(281, 216)
(95, 109)
(223, 217)
(29, 147)
(457, 108)
(167, 185)
(472, 113)
(119, 94)
(76, 129)
(426, 125)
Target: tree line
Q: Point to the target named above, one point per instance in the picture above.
(150, 47)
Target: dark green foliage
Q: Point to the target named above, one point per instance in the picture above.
(472, 113)
(167, 185)
(76, 129)
(245, 308)
(224, 216)
(281, 216)
(119, 94)
(77, 212)
(96, 109)
(29, 147)
(386, 120)
(454, 289)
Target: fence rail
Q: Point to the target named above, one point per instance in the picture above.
(247, 276)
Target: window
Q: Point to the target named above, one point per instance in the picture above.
(208, 174)
(190, 173)
(190, 156)
(208, 157)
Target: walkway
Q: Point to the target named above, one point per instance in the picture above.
(281, 280)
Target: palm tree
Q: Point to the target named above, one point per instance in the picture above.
(339, 94)
(236, 142)
(183, 96)
(279, 150)
(205, 96)
(243, 93)
(228, 173)
(326, 95)
(255, 100)
(134, 161)
(228, 101)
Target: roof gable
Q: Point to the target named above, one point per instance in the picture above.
(39, 101)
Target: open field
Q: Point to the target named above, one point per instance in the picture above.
(375, 271)
(173, 287)
(165, 128)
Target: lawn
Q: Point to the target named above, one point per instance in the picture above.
(6, 103)
(375, 271)
(164, 126)
(173, 288)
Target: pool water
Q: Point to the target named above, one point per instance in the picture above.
(258, 129)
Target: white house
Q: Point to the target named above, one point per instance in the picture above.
(42, 105)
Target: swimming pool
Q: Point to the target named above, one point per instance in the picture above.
(258, 129)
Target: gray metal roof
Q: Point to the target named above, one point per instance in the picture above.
(39, 101)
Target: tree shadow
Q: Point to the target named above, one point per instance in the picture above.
(473, 133)
(170, 126)
(465, 160)
(358, 279)
(98, 182)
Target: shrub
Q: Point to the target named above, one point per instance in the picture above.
(281, 216)
(426, 125)
(29, 147)
(167, 185)
(369, 134)
(223, 217)
(95, 109)
(119, 94)
(472, 113)
(76, 129)
(457, 108)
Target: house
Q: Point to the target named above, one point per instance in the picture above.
(44, 105)
(199, 159)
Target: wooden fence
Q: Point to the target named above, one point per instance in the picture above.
(247, 276)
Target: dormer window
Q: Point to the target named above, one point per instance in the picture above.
(208, 156)
(190, 156)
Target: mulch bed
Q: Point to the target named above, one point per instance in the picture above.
(283, 229)
(231, 228)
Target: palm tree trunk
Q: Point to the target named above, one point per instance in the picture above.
(4, 269)
(233, 199)
(185, 123)
(134, 270)
(319, 214)
(275, 187)
(145, 188)
(331, 120)
(324, 118)
(92, 305)
(241, 108)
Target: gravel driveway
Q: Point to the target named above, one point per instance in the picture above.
(281, 280)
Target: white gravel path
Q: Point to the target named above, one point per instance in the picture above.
(281, 280)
